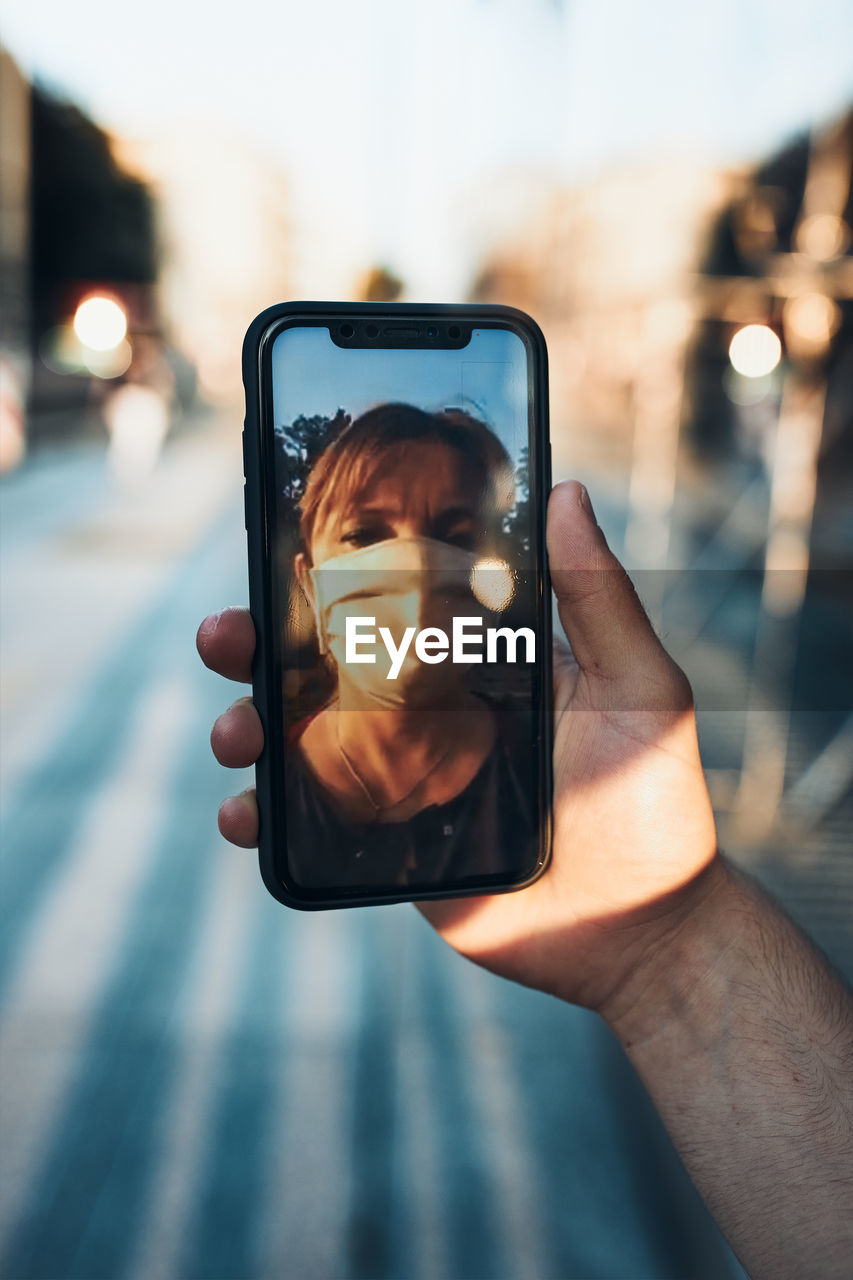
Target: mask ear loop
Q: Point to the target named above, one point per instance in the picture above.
(319, 621)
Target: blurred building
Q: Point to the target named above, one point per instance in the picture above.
(641, 278)
(92, 234)
(686, 305)
(606, 269)
(186, 237)
(781, 255)
(225, 232)
(14, 258)
(75, 225)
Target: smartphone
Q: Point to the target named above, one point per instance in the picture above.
(397, 468)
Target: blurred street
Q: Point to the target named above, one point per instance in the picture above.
(197, 1082)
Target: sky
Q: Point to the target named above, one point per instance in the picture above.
(387, 115)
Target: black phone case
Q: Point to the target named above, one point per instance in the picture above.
(257, 469)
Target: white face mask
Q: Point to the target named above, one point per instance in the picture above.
(401, 582)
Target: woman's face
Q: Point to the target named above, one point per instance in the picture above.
(425, 490)
(422, 490)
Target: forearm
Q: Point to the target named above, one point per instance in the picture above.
(743, 1036)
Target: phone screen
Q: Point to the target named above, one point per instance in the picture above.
(407, 607)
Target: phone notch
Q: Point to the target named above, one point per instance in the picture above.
(362, 333)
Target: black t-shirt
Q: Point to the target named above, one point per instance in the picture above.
(489, 828)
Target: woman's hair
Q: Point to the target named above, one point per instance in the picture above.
(348, 463)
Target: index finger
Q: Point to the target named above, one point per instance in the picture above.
(226, 643)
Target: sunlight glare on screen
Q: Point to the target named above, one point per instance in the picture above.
(492, 583)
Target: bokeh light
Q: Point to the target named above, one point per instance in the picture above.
(100, 323)
(823, 236)
(811, 321)
(108, 364)
(755, 351)
(746, 391)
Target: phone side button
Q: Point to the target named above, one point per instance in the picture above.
(243, 440)
(245, 509)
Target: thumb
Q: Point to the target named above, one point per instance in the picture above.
(607, 627)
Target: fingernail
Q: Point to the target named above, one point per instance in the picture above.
(587, 504)
(210, 624)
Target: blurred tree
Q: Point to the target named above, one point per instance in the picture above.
(517, 523)
(298, 447)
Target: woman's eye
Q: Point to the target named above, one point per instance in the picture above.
(465, 539)
(362, 536)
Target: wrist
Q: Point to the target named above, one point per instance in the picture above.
(683, 965)
(740, 1032)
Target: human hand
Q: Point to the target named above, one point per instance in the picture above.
(634, 849)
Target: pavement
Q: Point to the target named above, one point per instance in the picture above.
(198, 1083)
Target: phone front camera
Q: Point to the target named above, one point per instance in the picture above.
(347, 331)
(454, 332)
(432, 332)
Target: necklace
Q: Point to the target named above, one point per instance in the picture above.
(365, 790)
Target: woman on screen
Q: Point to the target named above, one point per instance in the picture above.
(406, 773)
